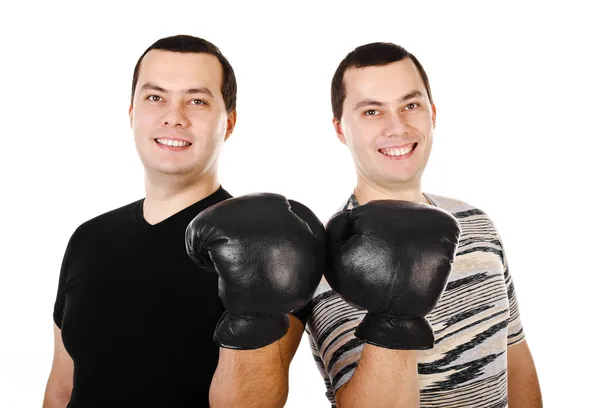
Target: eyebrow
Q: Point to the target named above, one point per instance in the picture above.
(372, 102)
(202, 89)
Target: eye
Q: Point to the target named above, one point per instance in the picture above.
(153, 98)
(198, 102)
(371, 112)
(412, 106)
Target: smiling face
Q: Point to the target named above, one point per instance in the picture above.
(178, 114)
(387, 123)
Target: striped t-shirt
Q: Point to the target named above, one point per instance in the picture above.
(475, 321)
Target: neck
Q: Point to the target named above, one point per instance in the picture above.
(168, 194)
(366, 191)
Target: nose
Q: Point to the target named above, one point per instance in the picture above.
(395, 125)
(175, 116)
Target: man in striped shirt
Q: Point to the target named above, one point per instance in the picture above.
(380, 93)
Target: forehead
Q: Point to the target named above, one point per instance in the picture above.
(176, 70)
(385, 82)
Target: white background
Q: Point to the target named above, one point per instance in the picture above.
(516, 89)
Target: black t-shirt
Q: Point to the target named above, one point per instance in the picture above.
(137, 316)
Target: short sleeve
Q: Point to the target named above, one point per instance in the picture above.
(329, 393)
(330, 328)
(59, 303)
(516, 333)
(303, 313)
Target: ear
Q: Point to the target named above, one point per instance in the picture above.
(433, 114)
(338, 130)
(231, 119)
(131, 115)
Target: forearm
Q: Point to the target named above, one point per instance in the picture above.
(54, 401)
(523, 385)
(384, 378)
(55, 396)
(524, 391)
(250, 378)
(60, 384)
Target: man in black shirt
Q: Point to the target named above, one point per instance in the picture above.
(134, 317)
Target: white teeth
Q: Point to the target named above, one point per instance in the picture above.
(174, 143)
(397, 151)
(405, 150)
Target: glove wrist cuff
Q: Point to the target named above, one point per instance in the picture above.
(396, 332)
(249, 332)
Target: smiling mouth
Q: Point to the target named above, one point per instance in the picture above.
(400, 152)
(172, 143)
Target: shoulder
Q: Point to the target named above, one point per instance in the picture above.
(106, 221)
(456, 207)
(466, 213)
(453, 205)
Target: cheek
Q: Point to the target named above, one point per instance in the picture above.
(210, 128)
(364, 138)
(360, 133)
(142, 120)
(361, 142)
(422, 123)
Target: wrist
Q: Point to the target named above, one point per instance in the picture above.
(249, 332)
(396, 332)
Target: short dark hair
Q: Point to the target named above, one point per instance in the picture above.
(188, 43)
(368, 55)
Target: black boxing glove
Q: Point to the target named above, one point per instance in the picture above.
(269, 253)
(392, 258)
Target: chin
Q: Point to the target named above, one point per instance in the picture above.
(400, 181)
(169, 170)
